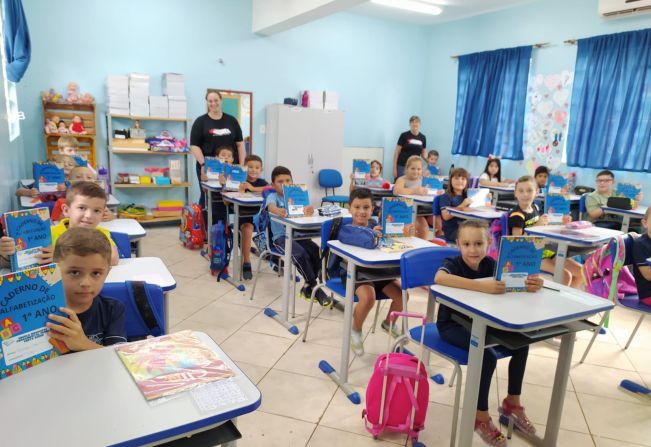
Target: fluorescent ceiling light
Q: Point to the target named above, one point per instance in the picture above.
(411, 5)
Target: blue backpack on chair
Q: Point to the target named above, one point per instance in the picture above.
(143, 307)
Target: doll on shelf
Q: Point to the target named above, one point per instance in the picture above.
(62, 128)
(73, 92)
(50, 126)
(77, 126)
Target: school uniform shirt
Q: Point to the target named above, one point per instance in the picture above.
(595, 200)
(411, 145)
(642, 251)
(456, 266)
(522, 219)
(259, 183)
(60, 228)
(488, 178)
(210, 134)
(103, 322)
(433, 170)
(451, 226)
(277, 229)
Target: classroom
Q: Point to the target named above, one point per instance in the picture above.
(306, 223)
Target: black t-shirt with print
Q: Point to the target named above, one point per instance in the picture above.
(521, 219)
(411, 145)
(210, 134)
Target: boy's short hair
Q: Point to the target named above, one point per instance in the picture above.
(606, 172)
(541, 170)
(525, 178)
(647, 214)
(433, 152)
(279, 170)
(252, 157)
(67, 141)
(414, 118)
(86, 189)
(82, 241)
(79, 168)
(62, 158)
(224, 148)
(360, 194)
(470, 223)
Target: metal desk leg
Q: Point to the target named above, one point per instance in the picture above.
(626, 221)
(166, 310)
(558, 391)
(341, 379)
(475, 362)
(496, 196)
(235, 278)
(559, 268)
(138, 249)
(283, 318)
(209, 217)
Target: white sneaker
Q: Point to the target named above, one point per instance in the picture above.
(357, 343)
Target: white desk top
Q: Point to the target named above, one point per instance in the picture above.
(212, 185)
(509, 188)
(89, 399)
(522, 310)
(314, 221)
(585, 236)
(376, 189)
(637, 212)
(648, 262)
(242, 198)
(128, 226)
(427, 199)
(484, 212)
(151, 270)
(365, 256)
(31, 202)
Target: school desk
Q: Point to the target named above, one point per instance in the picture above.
(131, 227)
(487, 213)
(89, 399)
(553, 305)
(637, 213)
(31, 202)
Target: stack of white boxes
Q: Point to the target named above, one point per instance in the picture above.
(139, 94)
(158, 106)
(118, 94)
(174, 88)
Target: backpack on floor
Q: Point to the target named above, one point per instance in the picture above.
(498, 228)
(220, 248)
(605, 274)
(192, 233)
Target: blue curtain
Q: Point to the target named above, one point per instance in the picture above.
(18, 48)
(610, 117)
(491, 99)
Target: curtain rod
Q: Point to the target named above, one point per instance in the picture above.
(535, 45)
(570, 42)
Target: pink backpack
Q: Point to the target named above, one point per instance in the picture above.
(398, 392)
(605, 274)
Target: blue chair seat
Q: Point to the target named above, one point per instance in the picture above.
(633, 302)
(335, 199)
(434, 342)
(337, 286)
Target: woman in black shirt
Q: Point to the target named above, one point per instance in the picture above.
(410, 143)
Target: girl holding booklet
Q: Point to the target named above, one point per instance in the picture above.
(412, 184)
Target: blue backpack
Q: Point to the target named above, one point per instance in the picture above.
(220, 248)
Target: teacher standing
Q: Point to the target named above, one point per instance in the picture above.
(213, 131)
(410, 143)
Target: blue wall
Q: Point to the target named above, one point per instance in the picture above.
(378, 67)
(550, 21)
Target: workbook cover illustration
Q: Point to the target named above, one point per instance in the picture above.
(171, 364)
(556, 206)
(433, 170)
(628, 190)
(214, 167)
(556, 183)
(295, 198)
(30, 230)
(235, 176)
(49, 177)
(433, 184)
(27, 297)
(396, 213)
(361, 168)
(479, 197)
(519, 257)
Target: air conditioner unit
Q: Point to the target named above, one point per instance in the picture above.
(608, 8)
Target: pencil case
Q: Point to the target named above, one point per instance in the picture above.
(579, 224)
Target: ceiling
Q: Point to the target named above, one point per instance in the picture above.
(452, 10)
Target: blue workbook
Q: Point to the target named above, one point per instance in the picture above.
(555, 183)
(27, 298)
(295, 198)
(396, 213)
(30, 230)
(235, 176)
(81, 161)
(433, 184)
(628, 190)
(519, 257)
(214, 167)
(433, 170)
(556, 206)
(49, 177)
(361, 168)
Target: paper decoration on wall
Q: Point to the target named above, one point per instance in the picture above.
(546, 117)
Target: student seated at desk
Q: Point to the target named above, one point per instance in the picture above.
(254, 183)
(527, 214)
(541, 174)
(219, 210)
(492, 175)
(84, 257)
(305, 253)
(433, 163)
(456, 196)
(79, 174)
(642, 252)
(463, 272)
(361, 210)
(599, 198)
(65, 161)
(373, 179)
(412, 183)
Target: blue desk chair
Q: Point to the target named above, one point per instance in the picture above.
(418, 268)
(582, 209)
(335, 285)
(436, 213)
(630, 302)
(474, 182)
(123, 243)
(504, 223)
(331, 178)
(144, 310)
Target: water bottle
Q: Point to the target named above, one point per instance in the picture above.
(103, 175)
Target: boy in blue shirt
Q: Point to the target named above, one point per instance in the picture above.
(305, 253)
(256, 184)
(84, 257)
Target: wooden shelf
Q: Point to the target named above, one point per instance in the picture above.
(150, 185)
(148, 118)
(152, 219)
(146, 152)
(76, 135)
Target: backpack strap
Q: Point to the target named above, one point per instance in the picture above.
(138, 292)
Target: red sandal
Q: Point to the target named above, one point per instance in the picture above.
(513, 415)
(490, 434)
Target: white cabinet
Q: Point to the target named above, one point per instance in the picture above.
(305, 141)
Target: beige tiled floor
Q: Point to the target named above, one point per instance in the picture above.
(301, 407)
